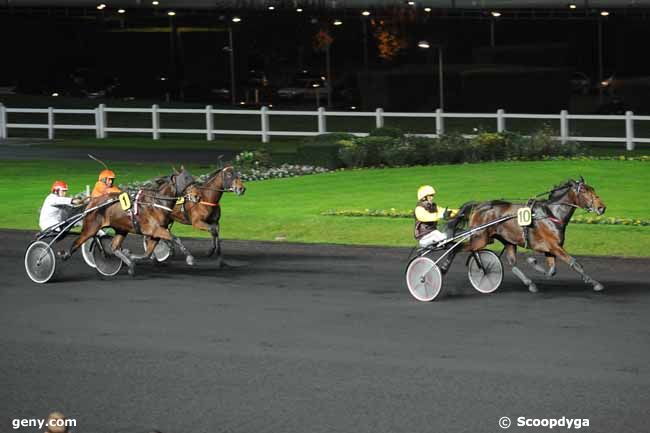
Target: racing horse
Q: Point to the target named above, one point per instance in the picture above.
(200, 206)
(149, 215)
(546, 233)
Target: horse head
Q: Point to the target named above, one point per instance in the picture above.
(587, 198)
(580, 194)
(181, 179)
(231, 181)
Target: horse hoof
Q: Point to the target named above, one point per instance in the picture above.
(532, 288)
(598, 287)
(131, 269)
(189, 260)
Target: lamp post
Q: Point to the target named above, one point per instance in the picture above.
(231, 52)
(426, 45)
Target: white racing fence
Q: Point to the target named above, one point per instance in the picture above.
(102, 129)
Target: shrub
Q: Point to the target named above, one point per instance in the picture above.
(387, 132)
(351, 153)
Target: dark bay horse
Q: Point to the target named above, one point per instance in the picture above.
(546, 234)
(149, 215)
(201, 207)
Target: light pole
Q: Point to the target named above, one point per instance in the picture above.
(426, 45)
(231, 51)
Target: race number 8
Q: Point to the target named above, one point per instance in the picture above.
(524, 216)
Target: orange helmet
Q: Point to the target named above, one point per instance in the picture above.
(106, 174)
(59, 185)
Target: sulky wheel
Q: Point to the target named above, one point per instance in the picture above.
(87, 252)
(40, 262)
(162, 251)
(423, 279)
(106, 263)
(487, 276)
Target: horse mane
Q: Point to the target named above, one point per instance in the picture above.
(554, 193)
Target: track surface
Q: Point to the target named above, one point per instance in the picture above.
(298, 338)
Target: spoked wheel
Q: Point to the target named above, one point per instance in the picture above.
(87, 252)
(423, 279)
(487, 277)
(162, 251)
(106, 263)
(40, 262)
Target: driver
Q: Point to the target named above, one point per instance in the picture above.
(104, 184)
(56, 205)
(427, 216)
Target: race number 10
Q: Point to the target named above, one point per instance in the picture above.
(524, 216)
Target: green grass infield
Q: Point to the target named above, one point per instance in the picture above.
(291, 209)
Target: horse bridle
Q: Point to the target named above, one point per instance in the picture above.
(221, 172)
(577, 188)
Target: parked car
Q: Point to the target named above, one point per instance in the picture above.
(304, 87)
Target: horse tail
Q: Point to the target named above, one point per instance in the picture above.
(462, 217)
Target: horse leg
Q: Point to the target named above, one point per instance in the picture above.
(87, 232)
(550, 262)
(123, 255)
(163, 233)
(511, 258)
(559, 252)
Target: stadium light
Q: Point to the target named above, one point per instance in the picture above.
(155, 2)
(338, 22)
(171, 13)
(573, 6)
(604, 13)
(365, 13)
(299, 10)
(236, 19)
(121, 11)
(271, 8)
(426, 45)
(101, 6)
(496, 14)
(411, 3)
(427, 10)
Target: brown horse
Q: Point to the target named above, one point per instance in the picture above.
(546, 234)
(201, 208)
(149, 215)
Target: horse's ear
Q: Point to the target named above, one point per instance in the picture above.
(582, 179)
(174, 170)
(182, 167)
(220, 161)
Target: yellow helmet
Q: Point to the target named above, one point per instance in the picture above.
(425, 190)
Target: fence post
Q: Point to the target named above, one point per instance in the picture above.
(3, 122)
(440, 124)
(209, 122)
(155, 122)
(264, 112)
(629, 130)
(501, 120)
(102, 120)
(564, 126)
(98, 130)
(322, 121)
(379, 117)
(50, 123)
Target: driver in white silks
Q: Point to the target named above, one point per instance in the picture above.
(56, 205)
(427, 214)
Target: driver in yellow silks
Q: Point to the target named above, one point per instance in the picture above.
(427, 214)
